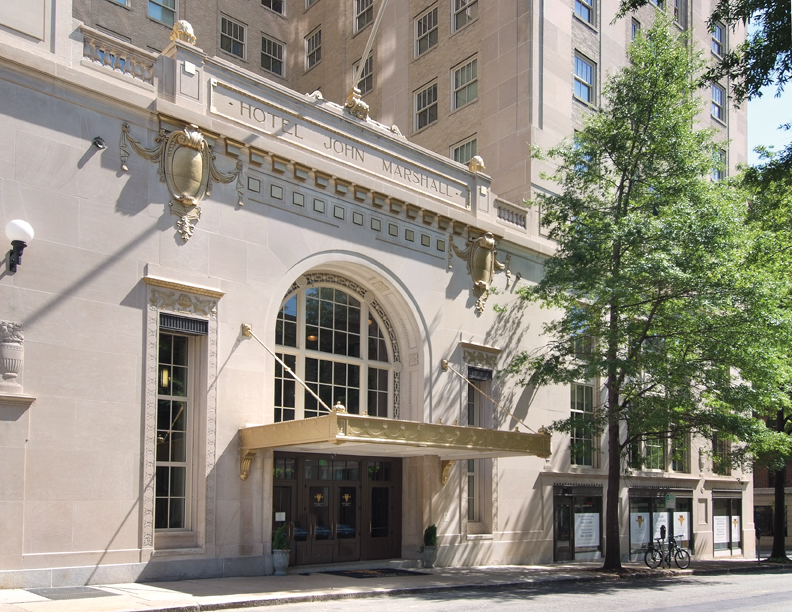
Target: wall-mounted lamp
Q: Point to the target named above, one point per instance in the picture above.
(19, 233)
(99, 143)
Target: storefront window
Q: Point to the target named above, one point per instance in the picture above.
(649, 513)
(727, 524)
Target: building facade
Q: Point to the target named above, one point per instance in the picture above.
(246, 307)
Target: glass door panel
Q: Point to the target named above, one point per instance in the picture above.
(320, 533)
(562, 530)
(347, 528)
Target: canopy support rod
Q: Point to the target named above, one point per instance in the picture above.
(247, 330)
(446, 366)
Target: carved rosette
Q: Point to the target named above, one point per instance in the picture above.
(480, 255)
(187, 167)
(12, 356)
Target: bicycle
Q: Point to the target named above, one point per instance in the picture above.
(656, 554)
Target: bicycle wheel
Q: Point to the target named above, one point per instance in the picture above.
(682, 558)
(653, 558)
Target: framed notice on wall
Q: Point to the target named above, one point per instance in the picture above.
(721, 529)
(587, 530)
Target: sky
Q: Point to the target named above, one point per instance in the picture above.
(765, 114)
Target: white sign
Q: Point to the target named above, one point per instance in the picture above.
(660, 520)
(681, 525)
(280, 516)
(735, 529)
(639, 528)
(670, 501)
(721, 529)
(587, 530)
(264, 116)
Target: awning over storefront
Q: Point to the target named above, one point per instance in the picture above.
(354, 434)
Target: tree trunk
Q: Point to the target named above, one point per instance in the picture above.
(779, 516)
(612, 539)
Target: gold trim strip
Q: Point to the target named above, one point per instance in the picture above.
(195, 289)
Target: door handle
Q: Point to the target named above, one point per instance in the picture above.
(370, 530)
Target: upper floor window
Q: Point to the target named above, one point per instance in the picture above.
(333, 342)
(364, 13)
(680, 13)
(719, 170)
(582, 413)
(313, 49)
(273, 5)
(718, 109)
(271, 56)
(465, 84)
(721, 455)
(232, 37)
(426, 106)
(718, 38)
(465, 11)
(366, 80)
(464, 152)
(585, 73)
(585, 10)
(426, 31)
(163, 10)
(635, 28)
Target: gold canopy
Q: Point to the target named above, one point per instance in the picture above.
(354, 434)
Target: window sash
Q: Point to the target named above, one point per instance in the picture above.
(232, 37)
(585, 10)
(271, 56)
(313, 50)
(426, 106)
(163, 11)
(718, 39)
(718, 95)
(466, 84)
(275, 6)
(581, 438)
(464, 152)
(366, 81)
(364, 13)
(465, 11)
(426, 30)
(584, 79)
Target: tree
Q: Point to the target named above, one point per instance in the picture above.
(650, 276)
(763, 59)
(770, 210)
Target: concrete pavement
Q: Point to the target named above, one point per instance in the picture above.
(313, 584)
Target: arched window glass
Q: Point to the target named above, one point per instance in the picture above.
(318, 333)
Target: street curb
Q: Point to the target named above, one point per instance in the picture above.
(541, 581)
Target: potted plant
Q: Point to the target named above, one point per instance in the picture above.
(281, 551)
(429, 548)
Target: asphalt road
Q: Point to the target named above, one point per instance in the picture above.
(743, 592)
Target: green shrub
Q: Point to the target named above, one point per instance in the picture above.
(430, 536)
(281, 539)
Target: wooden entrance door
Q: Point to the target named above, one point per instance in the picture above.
(563, 534)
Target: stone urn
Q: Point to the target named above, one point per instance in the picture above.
(12, 356)
(280, 561)
(429, 556)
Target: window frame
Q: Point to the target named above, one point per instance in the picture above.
(472, 82)
(282, 58)
(718, 108)
(468, 141)
(316, 51)
(435, 29)
(719, 173)
(270, 6)
(241, 28)
(460, 7)
(301, 353)
(585, 456)
(588, 6)
(426, 108)
(635, 29)
(163, 8)
(365, 76)
(365, 9)
(720, 42)
(578, 79)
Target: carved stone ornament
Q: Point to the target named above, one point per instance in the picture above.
(480, 254)
(183, 31)
(476, 164)
(356, 106)
(11, 356)
(187, 166)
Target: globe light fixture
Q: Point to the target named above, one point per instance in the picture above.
(19, 233)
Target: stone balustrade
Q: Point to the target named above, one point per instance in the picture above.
(512, 214)
(118, 56)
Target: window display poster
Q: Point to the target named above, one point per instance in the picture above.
(681, 522)
(721, 528)
(660, 520)
(639, 528)
(587, 530)
(735, 529)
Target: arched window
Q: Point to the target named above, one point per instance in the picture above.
(334, 342)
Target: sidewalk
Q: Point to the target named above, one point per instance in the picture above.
(312, 584)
